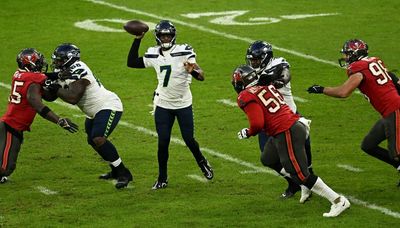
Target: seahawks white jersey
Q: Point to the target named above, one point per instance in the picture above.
(173, 90)
(286, 90)
(96, 97)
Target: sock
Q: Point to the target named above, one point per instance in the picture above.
(108, 152)
(320, 188)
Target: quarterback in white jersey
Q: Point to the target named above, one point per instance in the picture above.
(175, 66)
(173, 89)
(275, 71)
(78, 86)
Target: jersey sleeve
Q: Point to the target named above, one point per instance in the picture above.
(151, 54)
(255, 116)
(244, 99)
(192, 55)
(356, 67)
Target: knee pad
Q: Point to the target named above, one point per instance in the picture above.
(99, 141)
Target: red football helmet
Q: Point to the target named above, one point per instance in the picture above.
(31, 60)
(354, 50)
(243, 76)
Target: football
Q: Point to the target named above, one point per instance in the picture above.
(136, 27)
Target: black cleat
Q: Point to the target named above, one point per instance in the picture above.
(108, 176)
(160, 185)
(287, 194)
(206, 169)
(3, 179)
(124, 179)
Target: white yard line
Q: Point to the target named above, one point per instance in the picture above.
(198, 178)
(350, 168)
(373, 207)
(45, 190)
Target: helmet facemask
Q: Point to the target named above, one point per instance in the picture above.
(353, 50)
(244, 76)
(258, 55)
(31, 60)
(165, 28)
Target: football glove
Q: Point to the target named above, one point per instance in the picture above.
(51, 86)
(315, 89)
(68, 125)
(243, 134)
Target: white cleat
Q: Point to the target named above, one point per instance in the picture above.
(305, 194)
(338, 208)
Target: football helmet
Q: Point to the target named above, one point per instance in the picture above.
(244, 76)
(258, 55)
(354, 50)
(65, 55)
(30, 59)
(165, 27)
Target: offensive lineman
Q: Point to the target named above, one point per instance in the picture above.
(78, 86)
(175, 66)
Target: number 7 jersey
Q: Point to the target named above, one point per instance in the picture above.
(376, 85)
(173, 90)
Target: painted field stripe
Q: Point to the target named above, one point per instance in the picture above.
(208, 30)
(249, 172)
(198, 178)
(227, 102)
(373, 207)
(45, 190)
(350, 168)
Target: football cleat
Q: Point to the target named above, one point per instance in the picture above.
(3, 179)
(305, 194)
(124, 179)
(287, 194)
(108, 176)
(206, 169)
(338, 208)
(160, 185)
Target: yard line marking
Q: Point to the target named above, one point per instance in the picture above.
(227, 102)
(45, 190)
(198, 178)
(374, 207)
(249, 172)
(350, 168)
(215, 32)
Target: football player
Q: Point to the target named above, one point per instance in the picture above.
(175, 65)
(77, 85)
(24, 102)
(275, 70)
(370, 76)
(267, 111)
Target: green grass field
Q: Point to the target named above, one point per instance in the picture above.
(55, 183)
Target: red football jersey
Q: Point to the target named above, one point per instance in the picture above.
(20, 113)
(271, 113)
(376, 85)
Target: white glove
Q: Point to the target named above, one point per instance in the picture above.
(306, 123)
(243, 133)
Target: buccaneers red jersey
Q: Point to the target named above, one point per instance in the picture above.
(20, 113)
(376, 85)
(276, 115)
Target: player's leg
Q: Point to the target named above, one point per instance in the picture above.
(98, 130)
(270, 158)
(164, 120)
(10, 144)
(392, 126)
(376, 135)
(186, 125)
(294, 160)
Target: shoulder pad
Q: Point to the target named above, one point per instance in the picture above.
(279, 61)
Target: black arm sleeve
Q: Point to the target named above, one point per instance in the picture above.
(133, 57)
(52, 75)
(395, 80)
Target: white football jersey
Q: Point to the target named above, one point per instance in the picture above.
(96, 97)
(173, 90)
(286, 90)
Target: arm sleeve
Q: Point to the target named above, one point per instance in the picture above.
(255, 116)
(133, 57)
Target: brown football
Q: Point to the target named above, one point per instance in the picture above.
(136, 27)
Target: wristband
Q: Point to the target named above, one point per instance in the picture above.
(195, 73)
(44, 111)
